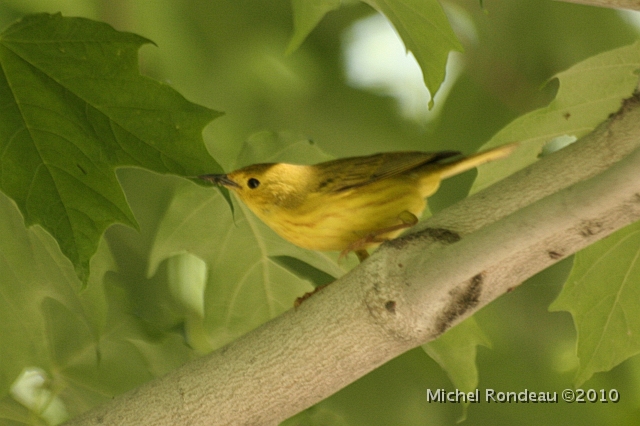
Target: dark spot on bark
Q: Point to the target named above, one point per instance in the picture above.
(554, 254)
(444, 236)
(390, 306)
(463, 299)
(589, 228)
(567, 115)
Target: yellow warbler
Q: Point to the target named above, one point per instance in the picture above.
(350, 204)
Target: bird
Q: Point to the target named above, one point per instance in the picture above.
(348, 204)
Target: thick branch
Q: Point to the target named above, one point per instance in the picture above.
(408, 292)
(614, 4)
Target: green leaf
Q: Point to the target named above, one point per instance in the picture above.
(284, 147)
(74, 107)
(426, 33)
(603, 296)
(588, 93)
(88, 342)
(306, 15)
(250, 278)
(455, 351)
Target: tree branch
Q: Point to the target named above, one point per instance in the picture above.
(408, 292)
(614, 4)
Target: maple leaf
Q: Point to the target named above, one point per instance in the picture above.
(73, 108)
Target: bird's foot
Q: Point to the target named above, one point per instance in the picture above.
(408, 220)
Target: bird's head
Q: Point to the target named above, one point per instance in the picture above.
(267, 187)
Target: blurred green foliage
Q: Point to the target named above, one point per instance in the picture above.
(604, 314)
(229, 56)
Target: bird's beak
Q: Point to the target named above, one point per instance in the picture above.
(220, 180)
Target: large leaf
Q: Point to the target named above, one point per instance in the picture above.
(89, 345)
(603, 296)
(253, 274)
(74, 107)
(588, 93)
(426, 33)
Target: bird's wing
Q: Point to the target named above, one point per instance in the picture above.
(347, 173)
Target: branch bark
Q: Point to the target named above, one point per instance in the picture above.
(614, 4)
(408, 292)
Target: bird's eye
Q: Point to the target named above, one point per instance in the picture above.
(253, 183)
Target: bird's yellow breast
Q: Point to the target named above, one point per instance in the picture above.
(333, 221)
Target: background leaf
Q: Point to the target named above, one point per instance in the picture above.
(74, 108)
(588, 93)
(426, 33)
(87, 343)
(603, 296)
(306, 15)
(286, 147)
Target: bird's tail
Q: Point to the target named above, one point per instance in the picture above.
(474, 160)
